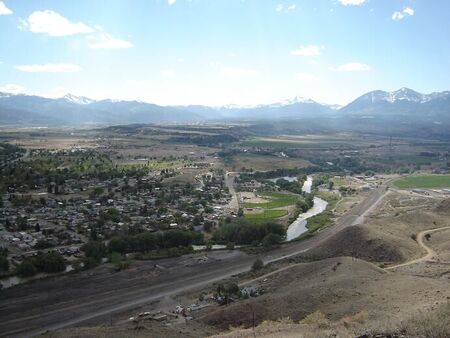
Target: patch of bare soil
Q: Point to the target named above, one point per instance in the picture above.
(131, 330)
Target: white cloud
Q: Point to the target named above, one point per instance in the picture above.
(311, 50)
(12, 88)
(106, 41)
(4, 10)
(307, 77)
(285, 8)
(54, 24)
(171, 2)
(408, 11)
(50, 68)
(353, 67)
(351, 2)
(168, 74)
(238, 73)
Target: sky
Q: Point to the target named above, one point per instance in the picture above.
(217, 52)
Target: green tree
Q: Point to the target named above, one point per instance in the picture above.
(26, 268)
(271, 240)
(4, 264)
(258, 264)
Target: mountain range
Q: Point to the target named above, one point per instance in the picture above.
(75, 110)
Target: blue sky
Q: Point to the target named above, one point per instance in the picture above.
(223, 51)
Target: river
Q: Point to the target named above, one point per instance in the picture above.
(298, 227)
(15, 280)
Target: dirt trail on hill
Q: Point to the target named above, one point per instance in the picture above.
(431, 254)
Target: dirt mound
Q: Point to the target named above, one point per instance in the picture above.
(444, 207)
(337, 287)
(297, 292)
(360, 242)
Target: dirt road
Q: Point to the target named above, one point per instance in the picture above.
(431, 254)
(94, 296)
(233, 205)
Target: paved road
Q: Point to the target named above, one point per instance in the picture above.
(55, 303)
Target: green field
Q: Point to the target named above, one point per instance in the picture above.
(278, 200)
(423, 181)
(266, 215)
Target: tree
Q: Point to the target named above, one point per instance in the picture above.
(271, 240)
(4, 263)
(26, 268)
(240, 212)
(330, 185)
(258, 264)
(207, 226)
(21, 223)
(94, 250)
(50, 262)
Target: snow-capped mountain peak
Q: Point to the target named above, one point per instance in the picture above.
(406, 94)
(400, 95)
(77, 99)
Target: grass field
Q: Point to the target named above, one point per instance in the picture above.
(266, 215)
(423, 181)
(277, 200)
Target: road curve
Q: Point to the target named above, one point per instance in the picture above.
(29, 310)
(430, 253)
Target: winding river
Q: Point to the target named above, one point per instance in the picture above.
(298, 227)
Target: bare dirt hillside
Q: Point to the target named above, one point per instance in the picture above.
(361, 242)
(337, 287)
(444, 207)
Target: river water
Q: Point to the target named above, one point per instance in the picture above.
(14, 280)
(298, 227)
(287, 178)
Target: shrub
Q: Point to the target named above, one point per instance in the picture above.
(434, 324)
(258, 264)
(315, 318)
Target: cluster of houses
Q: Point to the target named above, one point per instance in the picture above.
(93, 209)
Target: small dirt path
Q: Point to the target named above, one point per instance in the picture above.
(431, 254)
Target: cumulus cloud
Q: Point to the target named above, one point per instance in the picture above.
(238, 73)
(353, 67)
(285, 8)
(106, 41)
(54, 24)
(50, 68)
(351, 2)
(171, 2)
(12, 88)
(407, 11)
(311, 50)
(4, 10)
